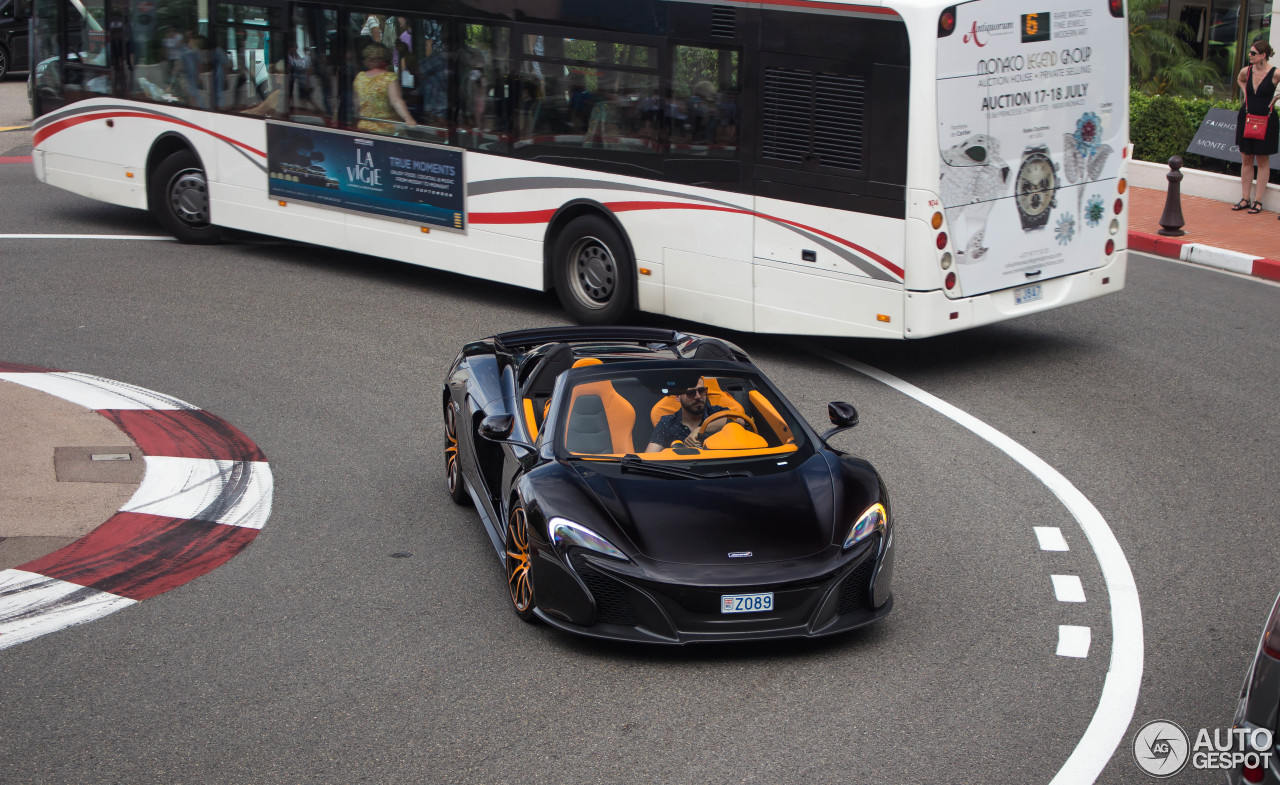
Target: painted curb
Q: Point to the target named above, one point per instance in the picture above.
(205, 495)
(1207, 255)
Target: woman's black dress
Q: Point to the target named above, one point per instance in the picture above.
(1257, 103)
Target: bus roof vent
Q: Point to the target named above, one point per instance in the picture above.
(724, 22)
(813, 118)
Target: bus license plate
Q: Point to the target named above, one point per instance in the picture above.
(746, 603)
(1028, 294)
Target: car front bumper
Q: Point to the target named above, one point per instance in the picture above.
(621, 605)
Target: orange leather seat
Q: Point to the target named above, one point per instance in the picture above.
(771, 416)
(600, 420)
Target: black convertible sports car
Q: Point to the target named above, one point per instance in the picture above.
(615, 519)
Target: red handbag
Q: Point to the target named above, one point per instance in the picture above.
(1255, 126)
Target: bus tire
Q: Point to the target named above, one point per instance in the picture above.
(179, 197)
(4, 61)
(593, 271)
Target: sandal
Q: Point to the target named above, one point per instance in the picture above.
(1243, 204)
(1256, 208)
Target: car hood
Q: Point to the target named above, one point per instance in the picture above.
(771, 516)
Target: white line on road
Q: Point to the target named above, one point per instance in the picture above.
(1067, 588)
(1072, 642)
(1124, 674)
(1050, 538)
(84, 237)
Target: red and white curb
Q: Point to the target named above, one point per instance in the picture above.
(204, 497)
(1207, 255)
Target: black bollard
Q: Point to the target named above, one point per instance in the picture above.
(1171, 221)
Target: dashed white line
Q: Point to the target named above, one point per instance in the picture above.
(1124, 674)
(1050, 538)
(1067, 588)
(1073, 642)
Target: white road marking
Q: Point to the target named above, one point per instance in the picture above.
(1050, 538)
(1073, 642)
(235, 493)
(1067, 588)
(94, 392)
(85, 237)
(32, 605)
(1124, 674)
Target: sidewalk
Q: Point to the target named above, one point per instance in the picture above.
(1215, 236)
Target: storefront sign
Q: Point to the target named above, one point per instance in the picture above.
(1216, 137)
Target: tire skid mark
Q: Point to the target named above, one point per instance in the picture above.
(206, 494)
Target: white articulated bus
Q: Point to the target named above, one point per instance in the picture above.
(893, 169)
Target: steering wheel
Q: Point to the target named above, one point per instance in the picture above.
(750, 424)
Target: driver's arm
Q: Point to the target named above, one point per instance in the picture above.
(654, 447)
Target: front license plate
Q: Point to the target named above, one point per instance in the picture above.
(746, 603)
(1028, 294)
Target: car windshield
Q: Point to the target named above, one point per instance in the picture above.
(674, 414)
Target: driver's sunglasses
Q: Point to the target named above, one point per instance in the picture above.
(1254, 52)
(694, 392)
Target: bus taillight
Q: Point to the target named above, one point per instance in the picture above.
(950, 281)
(946, 261)
(1111, 247)
(947, 22)
(1119, 205)
(942, 240)
(1117, 8)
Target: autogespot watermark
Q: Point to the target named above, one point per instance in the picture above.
(1162, 748)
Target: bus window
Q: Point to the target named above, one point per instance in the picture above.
(46, 79)
(86, 66)
(312, 65)
(587, 95)
(427, 83)
(394, 78)
(701, 113)
(163, 66)
(246, 62)
(482, 68)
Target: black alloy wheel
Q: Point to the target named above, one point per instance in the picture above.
(519, 566)
(452, 468)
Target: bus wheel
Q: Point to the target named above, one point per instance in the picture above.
(179, 198)
(593, 272)
(4, 61)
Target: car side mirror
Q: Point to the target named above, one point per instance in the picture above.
(843, 415)
(498, 428)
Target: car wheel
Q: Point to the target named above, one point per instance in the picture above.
(594, 276)
(452, 468)
(179, 197)
(519, 567)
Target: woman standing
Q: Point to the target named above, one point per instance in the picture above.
(1258, 81)
(378, 93)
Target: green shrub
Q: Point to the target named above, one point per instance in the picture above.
(1161, 126)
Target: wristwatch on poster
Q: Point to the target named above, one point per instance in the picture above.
(1035, 188)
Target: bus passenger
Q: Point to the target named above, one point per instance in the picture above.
(378, 94)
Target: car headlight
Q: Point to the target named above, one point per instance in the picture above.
(873, 520)
(565, 533)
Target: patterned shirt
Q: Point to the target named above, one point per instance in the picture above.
(371, 93)
(672, 428)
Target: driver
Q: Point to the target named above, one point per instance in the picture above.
(684, 423)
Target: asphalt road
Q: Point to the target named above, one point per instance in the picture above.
(321, 654)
